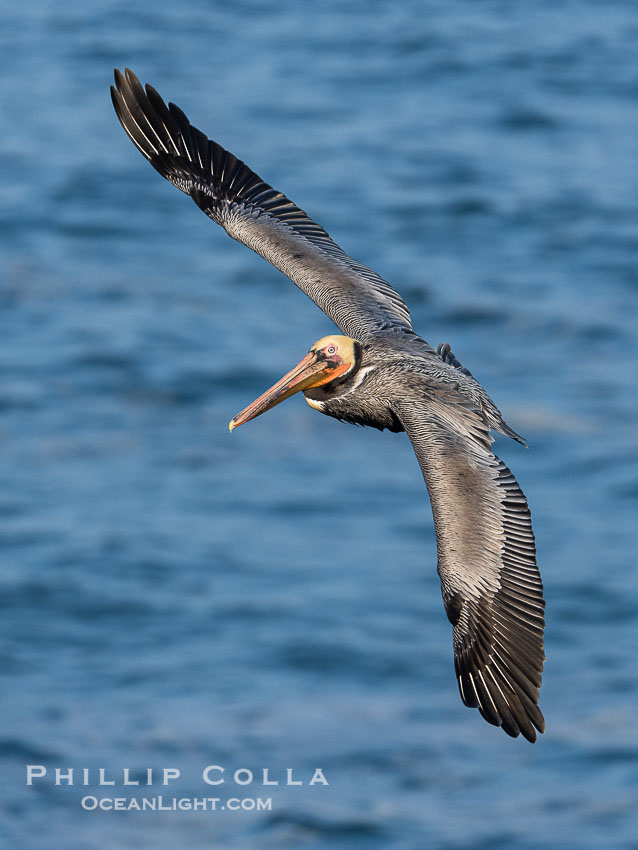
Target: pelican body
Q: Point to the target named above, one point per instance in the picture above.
(379, 372)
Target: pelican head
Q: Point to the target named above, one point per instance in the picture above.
(330, 358)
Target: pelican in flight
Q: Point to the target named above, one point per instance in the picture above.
(379, 372)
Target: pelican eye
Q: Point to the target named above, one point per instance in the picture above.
(331, 349)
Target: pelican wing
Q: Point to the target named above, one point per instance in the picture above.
(358, 301)
(491, 586)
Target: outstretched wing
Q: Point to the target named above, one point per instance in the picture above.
(358, 301)
(492, 589)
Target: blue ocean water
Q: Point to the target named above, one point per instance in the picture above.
(176, 597)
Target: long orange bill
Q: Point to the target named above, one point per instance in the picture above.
(310, 372)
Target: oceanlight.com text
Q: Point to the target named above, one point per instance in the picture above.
(174, 804)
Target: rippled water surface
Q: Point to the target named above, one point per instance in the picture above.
(174, 597)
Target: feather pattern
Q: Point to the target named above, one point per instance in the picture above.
(357, 299)
(491, 586)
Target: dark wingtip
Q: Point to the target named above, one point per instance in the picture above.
(126, 78)
(178, 114)
(540, 723)
(152, 92)
(131, 78)
(118, 104)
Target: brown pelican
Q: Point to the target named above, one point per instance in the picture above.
(380, 373)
